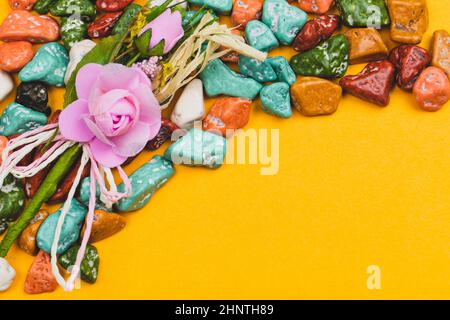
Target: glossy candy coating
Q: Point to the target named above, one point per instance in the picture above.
(432, 89)
(315, 31)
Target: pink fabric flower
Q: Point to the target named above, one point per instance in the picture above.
(168, 27)
(116, 112)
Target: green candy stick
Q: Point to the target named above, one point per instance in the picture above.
(46, 190)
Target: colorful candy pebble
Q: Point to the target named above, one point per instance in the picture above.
(19, 119)
(15, 55)
(70, 230)
(3, 143)
(366, 45)
(85, 194)
(233, 56)
(432, 89)
(77, 53)
(441, 51)
(49, 65)
(284, 20)
(7, 275)
(315, 96)
(22, 25)
(27, 239)
(219, 79)
(73, 30)
(275, 100)
(364, 13)
(220, 6)
(6, 85)
(245, 11)
(33, 95)
(409, 20)
(259, 36)
(315, 6)
(198, 148)
(164, 134)
(105, 225)
(22, 4)
(112, 5)
(373, 84)
(40, 278)
(84, 9)
(12, 199)
(228, 114)
(190, 107)
(89, 264)
(329, 60)
(282, 69)
(103, 25)
(43, 6)
(145, 181)
(261, 71)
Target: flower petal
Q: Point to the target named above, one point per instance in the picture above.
(117, 76)
(104, 154)
(96, 131)
(86, 77)
(150, 108)
(71, 122)
(134, 141)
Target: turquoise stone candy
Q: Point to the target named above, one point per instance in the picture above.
(89, 264)
(260, 71)
(364, 13)
(198, 148)
(48, 65)
(85, 194)
(329, 60)
(73, 30)
(12, 199)
(276, 100)
(19, 119)
(283, 70)
(219, 79)
(193, 17)
(83, 8)
(145, 181)
(284, 20)
(70, 231)
(220, 6)
(259, 36)
(128, 16)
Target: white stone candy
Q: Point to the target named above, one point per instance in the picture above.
(78, 51)
(190, 107)
(6, 85)
(7, 274)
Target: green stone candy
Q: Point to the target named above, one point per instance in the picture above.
(198, 148)
(260, 71)
(72, 31)
(284, 20)
(49, 65)
(126, 18)
(89, 264)
(19, 119)
(220, 6)
(83, 8)
(85, 191)
(329, 60)
(12, 199)
(259, 36)
(145, 181)
(219, 79)
(43, 6)
(283, 70)
(364, 13)
(276, 100)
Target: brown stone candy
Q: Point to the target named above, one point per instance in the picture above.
(27, 239)
(315, 96)
(15, 55)
(432, 89)
(164, 134)
(105, 225)
(409, 20)
(441, 50)
(366, 45)
(40, 278)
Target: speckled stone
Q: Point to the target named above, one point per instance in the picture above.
(283, 70)
(283, 19)
(260, 71)
(219, 79)
(276, 100)
(198, 148)
(12, 199)
(89, 264)
(220, 6)
(85, 194)
(145, 181)
(83, 8)
(7, 275)
(49, 65)
(73, 30)
(27, 239)
(260, 37)
(19, 119)
(70, 230)
(361, 13)
(33, 95)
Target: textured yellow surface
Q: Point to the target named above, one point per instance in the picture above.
(366, 186)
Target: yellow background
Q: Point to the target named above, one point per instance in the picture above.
(365, 186)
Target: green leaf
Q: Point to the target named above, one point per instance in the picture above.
(156, 12)
(101, 54)
(158, 50)
(143, 42)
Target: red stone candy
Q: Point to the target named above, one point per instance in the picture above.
(315, 31)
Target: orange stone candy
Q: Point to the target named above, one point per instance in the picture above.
(315, 6)
(27, 239)
(15, 55)
(23, 25)
(3, 143)
(432, 89)
(228, 114)
(22, 4)
(40, 278)
(245, 11)
(233, 56)
(105, 225)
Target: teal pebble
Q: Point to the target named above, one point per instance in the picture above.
(220, 6)
(284, 20)
(260, 37)
(260, 71)
(85, 194)
(70, 231)
(219, 79)
(283, 70)
(145, 181)
(198, 148)
(276, 100)
(19, 119)
(48, 65)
